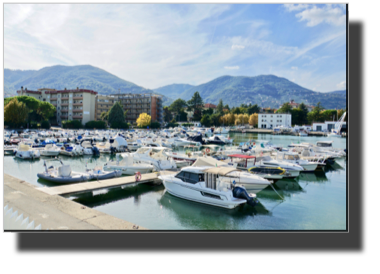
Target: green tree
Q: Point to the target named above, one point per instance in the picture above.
(182, 116)
(167, 114)
(178, 105)
(215, 119)
(208, 111)
(253, 109)
(16, 112)
(316, 114)
(125, 114)
(305, 111)
(206, 121)
(104, 115)
(285, 108)
(330, 115)
(196, 104)
(219, 107)
(116, 114)
(46, 110)
(297, 116)
(236, 110)
(227, 107)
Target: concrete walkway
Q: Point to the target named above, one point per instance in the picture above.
(54, 212)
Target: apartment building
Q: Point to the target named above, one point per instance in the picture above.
(71, 104)
(135, 104)
(272, 120)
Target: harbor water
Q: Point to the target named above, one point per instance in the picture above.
(313, 201)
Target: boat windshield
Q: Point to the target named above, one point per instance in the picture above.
(289, 157)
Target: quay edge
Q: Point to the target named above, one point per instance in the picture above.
(54, 212)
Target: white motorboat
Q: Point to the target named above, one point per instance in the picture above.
(100, 174)
(71, 150)
(50, 150)
(25, 151)
(252, 182)
(293, 157)
(155, 156)
(245, 162)
(128, 166)
(206, 185)
(63, 175)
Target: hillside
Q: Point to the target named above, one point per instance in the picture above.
(340, 92)
(264, 90)
(173, 91)
(60, 77)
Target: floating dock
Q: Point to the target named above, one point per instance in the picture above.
(97, 185)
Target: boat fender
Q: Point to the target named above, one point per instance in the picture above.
(241, 193)
(137, 176)
(207, 150)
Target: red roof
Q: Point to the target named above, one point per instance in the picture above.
(241, 156)
(210, 106)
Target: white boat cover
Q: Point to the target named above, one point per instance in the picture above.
(221, 170)
(120, 141)
(208, 161)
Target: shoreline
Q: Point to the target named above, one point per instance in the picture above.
(54, 212)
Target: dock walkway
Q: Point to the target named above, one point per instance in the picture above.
(96, 185)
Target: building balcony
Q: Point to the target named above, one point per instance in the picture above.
(77, 110)
(77, 117)
(64, 104)
(77, 104)
(77, 97)
(64, 110)
(64, 116)
(53, 99)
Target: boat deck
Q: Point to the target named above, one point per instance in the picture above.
(96, 185)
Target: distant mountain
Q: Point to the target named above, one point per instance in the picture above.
(341, 92)
(173, 91)
(264, 90)
(70, 77)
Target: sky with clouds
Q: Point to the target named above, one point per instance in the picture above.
(154, 45)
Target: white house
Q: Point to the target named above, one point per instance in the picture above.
(272, 120)
(327, 126)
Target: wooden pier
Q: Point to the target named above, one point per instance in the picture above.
(96, 185)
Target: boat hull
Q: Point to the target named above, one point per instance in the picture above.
(193, 194)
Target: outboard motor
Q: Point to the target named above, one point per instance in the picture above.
(95, 151)
(113, 149)
(104, 139)
(241, 193)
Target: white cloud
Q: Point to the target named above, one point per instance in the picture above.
(341, 85)
(295, 7)
(234, 67)
(328, 14)
(237, 47)
(294, 68)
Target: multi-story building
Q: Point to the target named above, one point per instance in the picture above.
(71, 104)
(135, 104)
(272, 120)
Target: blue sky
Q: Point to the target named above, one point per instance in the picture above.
(153, 45)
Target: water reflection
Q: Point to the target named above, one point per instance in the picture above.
(98, 198)
(317, 176)
(195, 215)
(284, 188)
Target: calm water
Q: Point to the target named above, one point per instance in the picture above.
(314, 201)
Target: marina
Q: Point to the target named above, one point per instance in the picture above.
(309, 200)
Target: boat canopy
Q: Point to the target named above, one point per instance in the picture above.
(208, 161)
(241, 156)
(221, 170)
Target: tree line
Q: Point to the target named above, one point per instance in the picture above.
(244, 114)
(24, 111)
